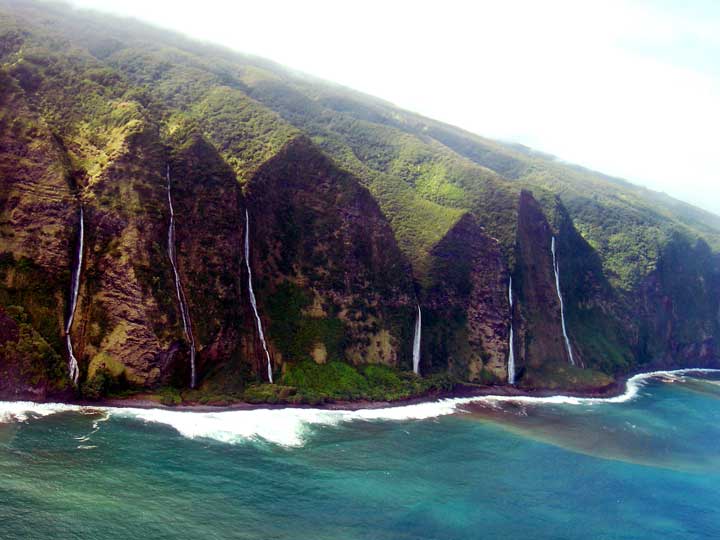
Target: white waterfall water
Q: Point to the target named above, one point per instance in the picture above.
(556, 268)
(511, 356)
(416, 341)
(253, 302)
(73, 369)
(184, 313)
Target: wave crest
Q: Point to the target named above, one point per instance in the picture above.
(20, 411)
(291, 426)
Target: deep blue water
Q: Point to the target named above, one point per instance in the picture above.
(646, 468)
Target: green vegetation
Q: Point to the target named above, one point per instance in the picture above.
(245, 133)
(31, 358)
(103, 382)
(315, 383)
(303, 383)
(103, 106)
(170, 396)
(295, 333)
(423, 173)
(30, 288)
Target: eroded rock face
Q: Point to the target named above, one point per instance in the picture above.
(37, 202)
(84, 124)
(680, 306)
(598, 319)
(538, 303)
(9, 331)
(38, 212)
(129, 317)
(328, 272)
(209, 223)
(119, 323)
(467, 309)
(330, 279)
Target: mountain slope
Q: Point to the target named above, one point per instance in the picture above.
(359, 212)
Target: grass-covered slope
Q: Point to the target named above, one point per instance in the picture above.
(94, 108)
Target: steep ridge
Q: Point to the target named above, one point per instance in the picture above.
(326, 265)
(596, 315)
(679, 317)
(467, 317)
(119, 320)
(360, 212)
(541, 330)
(209, 242)
(35, 254)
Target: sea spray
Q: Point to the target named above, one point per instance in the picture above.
(184, 313)
(22, 411)
(291, 426)
(95, 428)
(73, 369)
(253, 301)
(556, 268)
(416, 341)
(511, 354)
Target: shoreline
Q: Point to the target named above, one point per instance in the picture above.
(614, 391)
(462, 391)
(290, 426)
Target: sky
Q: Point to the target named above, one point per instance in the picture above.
(630, 88)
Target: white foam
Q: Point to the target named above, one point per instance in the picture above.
(291, 426)
(286, 427)
(20, 411)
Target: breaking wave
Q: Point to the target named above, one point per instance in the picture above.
(20, 411)
(291, 426)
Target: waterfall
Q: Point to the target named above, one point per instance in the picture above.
(511, 356)
(416, 341)
(73, 369)
(556, 268)
(184, 313)
(253, 302)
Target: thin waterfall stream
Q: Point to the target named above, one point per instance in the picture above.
(416, 341)
(184, 313)
(73, 369)
(253, 302)
(511, 355)
(556, 268)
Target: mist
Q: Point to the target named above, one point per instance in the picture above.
(628, 88)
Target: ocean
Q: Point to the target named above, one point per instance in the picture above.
(643, 465)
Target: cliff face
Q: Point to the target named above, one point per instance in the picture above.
(598, 318)
(38, 213)
(36, 179)
(538, 303)
(331, 281)
(467, 309)
(679, 317)
(209, 225)
(358, 213)
(118, 321)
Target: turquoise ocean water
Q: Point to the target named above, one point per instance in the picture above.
(643, 466)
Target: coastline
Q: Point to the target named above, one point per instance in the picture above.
(618, 391)
(462, 391)
(289, 426)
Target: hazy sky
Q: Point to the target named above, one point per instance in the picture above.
(630, 88)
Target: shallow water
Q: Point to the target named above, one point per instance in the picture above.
(531, 469)
(675, 426)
